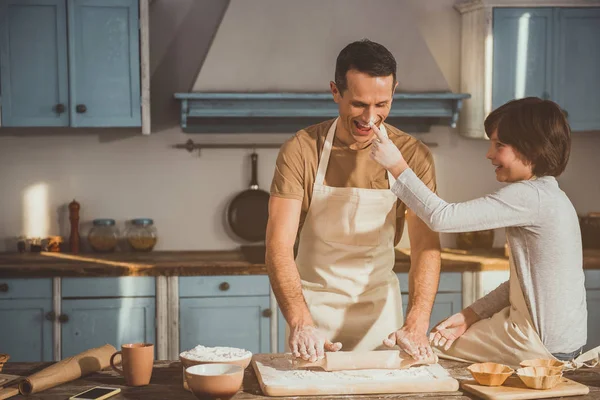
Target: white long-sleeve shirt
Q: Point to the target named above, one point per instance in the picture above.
(543, 232)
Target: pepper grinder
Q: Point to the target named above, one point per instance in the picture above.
(74, 218)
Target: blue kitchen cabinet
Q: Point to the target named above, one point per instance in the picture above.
(577, 60)
(232, 311)
(33, 63)
(89, 323)
(26, 315)
(552, 53)
(522, 64)
(225, 321)
(104, 63)
(70, 63)
(96, 311)
(592, 285)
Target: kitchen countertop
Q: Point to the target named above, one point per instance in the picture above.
(167, 378)
(226, 262)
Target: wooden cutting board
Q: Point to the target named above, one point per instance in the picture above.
(515, 389)
(277, 377)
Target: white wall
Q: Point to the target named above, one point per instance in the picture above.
(115, 174)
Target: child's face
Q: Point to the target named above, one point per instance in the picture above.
(507, 160)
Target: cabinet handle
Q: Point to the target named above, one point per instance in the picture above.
(81, 108)
(224, 286)
(546, 96)
(51, 316)
(60, 108)
(3, 287)
(267, 313)
(565, 112)
(63, 318)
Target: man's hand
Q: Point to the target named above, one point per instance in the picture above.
(309, 343)
(385, 152)
(413, 340)
(453, 327)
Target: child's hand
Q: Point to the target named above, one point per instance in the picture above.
(385, 152)
(453, 327)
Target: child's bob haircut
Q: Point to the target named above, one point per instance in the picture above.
(537, 129)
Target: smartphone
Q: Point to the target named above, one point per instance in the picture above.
(96, 393)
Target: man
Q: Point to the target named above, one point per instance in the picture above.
(341, 289)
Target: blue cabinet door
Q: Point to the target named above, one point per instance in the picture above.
(593, 308)
(25, 332)
(93, 323)
(577, 60)
(33, 63)
(522, 64)
(104, 63)
(225, 321)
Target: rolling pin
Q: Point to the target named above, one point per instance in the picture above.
(353, 360)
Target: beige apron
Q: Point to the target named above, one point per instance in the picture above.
(508, 337)
(346, 259)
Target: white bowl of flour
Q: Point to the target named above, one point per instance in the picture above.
(213, 355)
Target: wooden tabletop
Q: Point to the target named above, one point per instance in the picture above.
(227, 262)
(166, 383)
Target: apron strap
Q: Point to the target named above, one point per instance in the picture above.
(322, 168)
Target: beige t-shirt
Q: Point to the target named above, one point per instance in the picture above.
(296, 167)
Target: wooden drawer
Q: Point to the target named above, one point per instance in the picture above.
(26, 288)
(126, 286)
(449, 282)
(217, 286)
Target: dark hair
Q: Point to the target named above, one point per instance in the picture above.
(537, 129)
(364, 56)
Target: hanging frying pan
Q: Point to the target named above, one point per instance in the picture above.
(248, 212)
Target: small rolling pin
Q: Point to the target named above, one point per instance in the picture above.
(353, 360)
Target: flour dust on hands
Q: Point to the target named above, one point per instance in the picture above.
(309, 343)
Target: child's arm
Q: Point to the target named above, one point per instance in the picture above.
(492, 302)
(516, 204)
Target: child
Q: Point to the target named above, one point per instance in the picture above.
(541, 311)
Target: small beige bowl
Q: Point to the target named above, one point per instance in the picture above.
(540, 377)
(210, 381)
(544, 362)
(490, 374)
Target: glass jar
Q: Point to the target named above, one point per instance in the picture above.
(104, 235)
(142, 234)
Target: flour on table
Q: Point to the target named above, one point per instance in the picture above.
(201, 353)
(281, 372)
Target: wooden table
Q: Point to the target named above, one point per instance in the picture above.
(166, 383)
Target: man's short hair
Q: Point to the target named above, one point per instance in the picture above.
(367, 57)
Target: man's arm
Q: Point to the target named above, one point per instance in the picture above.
(424, 274)
(284, 217)
(423, 279)
(305, 340)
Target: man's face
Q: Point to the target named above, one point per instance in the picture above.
(367, 99)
